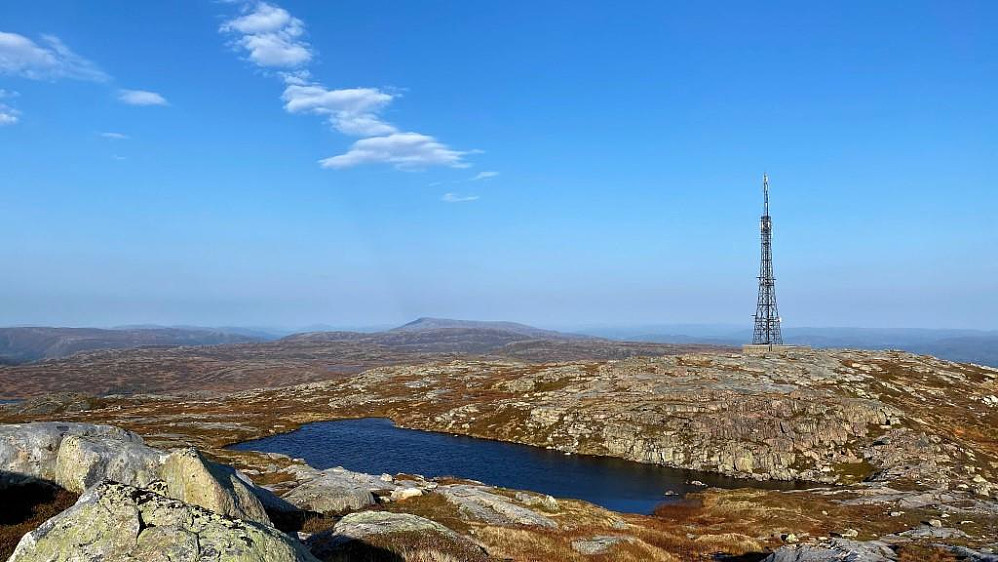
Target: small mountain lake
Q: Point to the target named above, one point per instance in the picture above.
(376, 446)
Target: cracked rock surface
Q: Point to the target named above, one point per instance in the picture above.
(115, 522)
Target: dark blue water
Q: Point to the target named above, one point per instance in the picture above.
(376, 446)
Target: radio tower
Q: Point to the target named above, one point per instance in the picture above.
(767, 316)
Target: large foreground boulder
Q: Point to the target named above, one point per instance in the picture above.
(85, 460)
(220, 488)
(115, 522)
(77, 456)
(30, 450)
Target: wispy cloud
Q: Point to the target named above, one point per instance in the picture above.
(141, 97)
(114, 136)
(455, 198)
(119, 158)
(49, 60)
(484, 176)
(273, 40)
(405, 151)
(8, 115)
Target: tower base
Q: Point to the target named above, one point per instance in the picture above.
(762, 349)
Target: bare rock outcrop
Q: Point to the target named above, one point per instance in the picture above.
(220, 488)
(483, 504)
(77, 456)
(115, 522)
(836, 550)
(85, 460)
(356, 531)
(336, 490)
(31, 450)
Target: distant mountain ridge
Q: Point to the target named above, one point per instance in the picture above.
(427, 324)
(443, 335)
(27, 344)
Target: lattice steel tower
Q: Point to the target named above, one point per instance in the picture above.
(767, 315)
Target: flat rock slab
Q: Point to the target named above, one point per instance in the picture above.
(336, 490)
(481, 503)
(365, 526)
(599, 544)
(836, 550)
(115, 522)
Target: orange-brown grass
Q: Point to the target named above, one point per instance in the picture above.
(432, 506)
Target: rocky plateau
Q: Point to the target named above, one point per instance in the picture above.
(902, 451)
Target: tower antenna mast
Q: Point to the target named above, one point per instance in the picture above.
(767, 316)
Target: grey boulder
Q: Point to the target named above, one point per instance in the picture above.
(77, 456)
(117, 523)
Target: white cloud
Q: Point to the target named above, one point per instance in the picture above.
(141, 97)
(271, 36)
(484, 176)
(51, 60)
(114, 136)
(119, 158)
(8, 115)
(455, 198)
(406, 151)
(352, 111)
(264, 19)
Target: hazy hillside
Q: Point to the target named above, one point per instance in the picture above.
(23, 345)
(433, 324)
(308, 357)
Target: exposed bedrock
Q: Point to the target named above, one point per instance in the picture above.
(116, 522)
(77, 456)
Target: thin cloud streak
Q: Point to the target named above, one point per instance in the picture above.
(141, 97)
(405, 151)
(455, 198)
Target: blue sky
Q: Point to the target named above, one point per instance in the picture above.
(297, 162)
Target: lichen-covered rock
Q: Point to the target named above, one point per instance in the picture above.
(336, 490)
(85, 460)
(190, 478)
(836, 550)
(115, 522)
(78, 455)
(481, 503)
